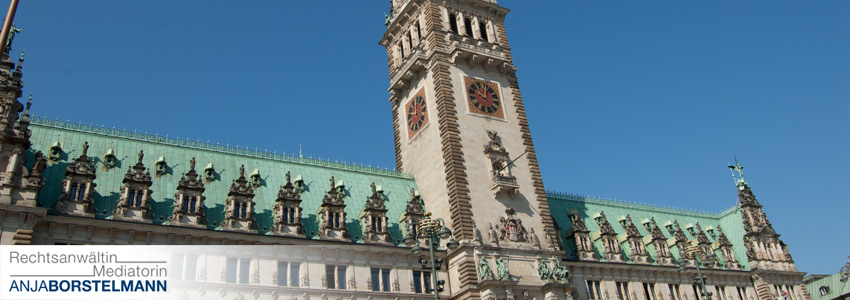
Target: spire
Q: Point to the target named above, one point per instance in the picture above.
(7, 26)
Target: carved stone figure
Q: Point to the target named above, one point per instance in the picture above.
(484, 270)
(502, 268)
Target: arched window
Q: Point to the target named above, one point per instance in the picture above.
(453, 23)
(139, 196)
(482, 27)
(73, 192)
(81, 192)
(823, 290)
(468, 24)
(185, 206)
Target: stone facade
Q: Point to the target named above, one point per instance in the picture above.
(474, 165)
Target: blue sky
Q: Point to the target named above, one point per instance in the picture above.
(637, 101)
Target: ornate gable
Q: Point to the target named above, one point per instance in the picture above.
(287, 210)
(77, 187)
(189, 200)
(135, 194)
(239, 213)
(332, 213)
(374, 218)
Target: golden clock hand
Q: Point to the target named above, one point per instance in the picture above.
(482, 95)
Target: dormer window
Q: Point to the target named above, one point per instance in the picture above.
(646, 224)
(109, 159)
(669, 226)
(823, 290)
(209, 172)
(690, 229)
(55, 152)
(161, 166)
(256, 181)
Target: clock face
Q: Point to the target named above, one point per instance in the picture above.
(484, 98)
(417, 113)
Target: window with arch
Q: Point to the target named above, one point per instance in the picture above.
(453, 23)
(468, 24)
(823, 290)
(482, 28)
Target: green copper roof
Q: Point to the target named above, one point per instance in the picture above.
(561, 205)
(177, 152)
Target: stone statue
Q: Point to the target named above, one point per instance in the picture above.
(192, 164)
(492, 232)
(560, 272)
(484, 270)
(477, 237)
(85, 148)
(534, 240)
(12, 32)
(502, 268)
(40, 164)
(241, 170)
(141, 155)
(374, 189)
(543, 270)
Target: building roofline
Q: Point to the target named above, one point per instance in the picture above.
(207, 146)
(630, 205)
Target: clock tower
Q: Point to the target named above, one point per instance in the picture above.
(460, 128)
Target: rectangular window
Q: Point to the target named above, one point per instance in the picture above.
(623, 290)
(294, 273)
(244, 270)
(742, 293)
(380, 280)
(426, 281)
(721, 292)
(453, 23)
(73, 192)
(482, 27)
(282, 270)
(417, 282)
(335, 276)
(697, 291)
(675, 294)
(82, 195)
(191, 267)
(232, 264)
(593, 290)
(649, 291)
(177, 266)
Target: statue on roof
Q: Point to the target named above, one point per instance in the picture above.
(192, 164)
(141, 155)
(85, 148)
(12, 32)
(242, 171)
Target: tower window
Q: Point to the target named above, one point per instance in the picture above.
(649, 291)
(453, 23)
(623, 290)
(73, 191)
(468, 24)
(139, 195)
(418, 30)
(482, 27)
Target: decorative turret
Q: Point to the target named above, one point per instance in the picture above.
(374, 218)
(584, 245)
(135, 194)
(609, 239)
(635, 241)
(703, 242)
(189, 199)
(725, 248)
(77, 187)
(413, 213)
(657, 239)
(332, 213)
(287, 210)
(14, 135)
(764, 248)
(239, 215)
